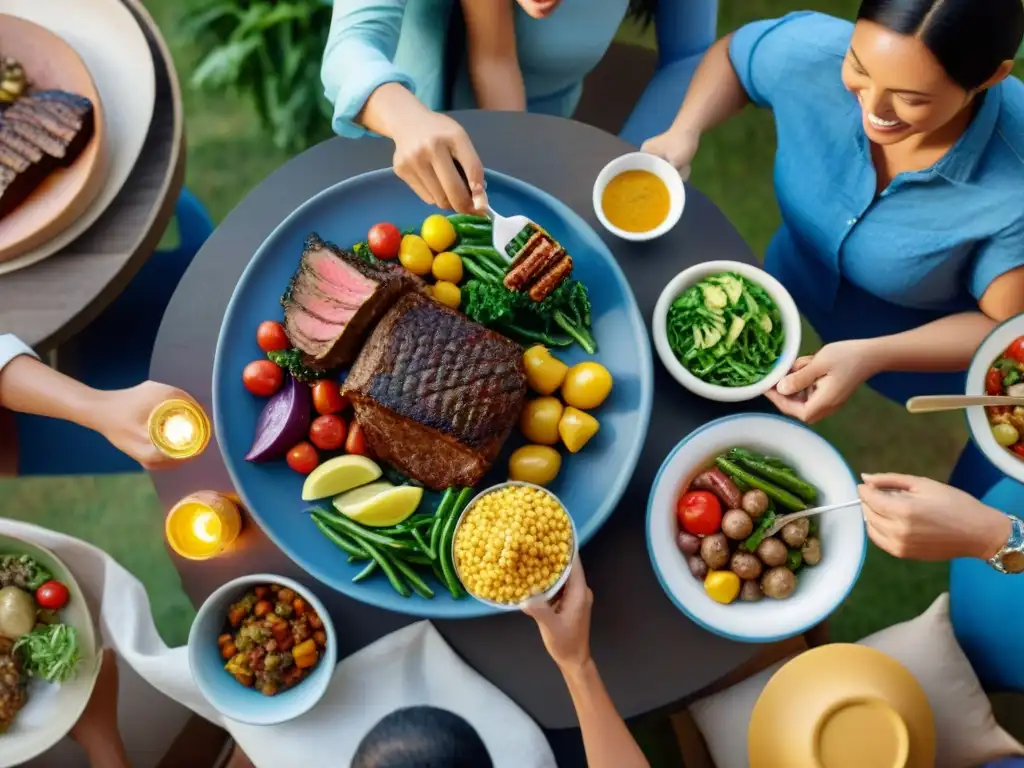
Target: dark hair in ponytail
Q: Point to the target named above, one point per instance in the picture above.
(970, 38)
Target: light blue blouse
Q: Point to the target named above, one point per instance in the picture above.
(861, 265)
(373, 42)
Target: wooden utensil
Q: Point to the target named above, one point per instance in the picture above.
(783, 520)
(933, 403)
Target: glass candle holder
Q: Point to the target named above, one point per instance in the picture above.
(203, 525)
(180, 429)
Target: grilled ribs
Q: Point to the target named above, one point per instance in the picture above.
(539, 267)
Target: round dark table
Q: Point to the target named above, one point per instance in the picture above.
(650, 654)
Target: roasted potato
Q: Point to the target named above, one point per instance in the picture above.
(772, 552)
(795, 533)
(714, 550)
(778, 583)
(737, 524)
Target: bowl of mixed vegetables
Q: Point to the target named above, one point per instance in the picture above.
(262, 649)
(998, 369)
(711, 507)
(49, 659)
(726, 330)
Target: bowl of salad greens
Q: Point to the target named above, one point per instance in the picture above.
(49, 659)
(726, 330)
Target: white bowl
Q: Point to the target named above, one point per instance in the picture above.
(820, 589)
(790, 323)
(993, 345)
(52, 709)
(642, 161)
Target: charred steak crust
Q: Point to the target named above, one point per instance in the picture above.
(460, 384)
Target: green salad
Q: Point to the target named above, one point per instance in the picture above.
(726, 330)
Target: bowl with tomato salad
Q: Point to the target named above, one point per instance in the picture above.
(998, 369)
(817, 562)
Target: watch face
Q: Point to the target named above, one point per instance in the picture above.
(1013, 562)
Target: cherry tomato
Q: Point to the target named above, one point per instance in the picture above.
(356, 440)
(327, 397)
(327, 432)
(52, 595)
(262, 378)
(993, 382)
(1018, 448)
(271, 337)
(384, 240)
(303, 458)
(699, 513)
(1016, 350)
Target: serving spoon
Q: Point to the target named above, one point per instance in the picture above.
(934, 403)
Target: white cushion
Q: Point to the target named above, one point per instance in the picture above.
(967, 732)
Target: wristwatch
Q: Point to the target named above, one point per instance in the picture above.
(1010, 559)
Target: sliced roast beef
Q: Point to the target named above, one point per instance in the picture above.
(436, 394)
(334, 299)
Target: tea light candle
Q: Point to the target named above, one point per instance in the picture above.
(203, 525)
(179, 428)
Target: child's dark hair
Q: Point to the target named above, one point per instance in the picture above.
(970, 38)
(422, 737)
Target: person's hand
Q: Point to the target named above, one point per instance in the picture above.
(915, 518)
(122, 416)
(98, 723)
(677, 146)
(565, 622)
(819, 384)
(425, 154)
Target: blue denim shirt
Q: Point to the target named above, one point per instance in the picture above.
(859, 264)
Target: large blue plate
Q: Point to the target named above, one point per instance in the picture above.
(590, 483)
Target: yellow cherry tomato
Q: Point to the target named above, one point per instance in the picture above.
(438, 233)
(447, 293)
(722, 586)
(415, 255)
(586, 385)
(540, 419)
(544, 372)
(537, 464)
(447, 266)
(576, 428)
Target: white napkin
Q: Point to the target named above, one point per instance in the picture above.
(413, 666)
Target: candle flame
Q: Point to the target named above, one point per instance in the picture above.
(204, 527)
(179, 430)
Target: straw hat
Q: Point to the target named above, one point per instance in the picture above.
(842, 706)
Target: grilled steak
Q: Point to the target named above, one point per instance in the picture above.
(436, 394)
(13, 695)
(38, 134)
(335, 298)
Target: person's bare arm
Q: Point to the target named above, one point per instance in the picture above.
(606, 739)
(29, 386)
(1005, 296)
(493, 62)
(943, 345)
(715, 93)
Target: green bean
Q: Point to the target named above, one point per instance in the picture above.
(340, 540)
(359, 533)
(413, 578)
(484, 253)
(447, 536)
(487, 275)
(358, 558)
(467, 218)
(440, 515)
(474, 231)
(385, 563)
(370, 568)
(424, 546)
(783, 477)
(782, 496)
(417, 558)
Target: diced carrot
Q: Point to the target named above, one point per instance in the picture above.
(228, 650)
(320, 637)
(286, 595)
(223, 640)
(263, 607)
(304, 662)
(261, 592)
(236, 615)
(314, 620)
(299, 605)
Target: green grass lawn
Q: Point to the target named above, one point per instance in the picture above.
(228, 155)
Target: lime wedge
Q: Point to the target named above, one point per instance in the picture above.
(388, 506)
(338, 475)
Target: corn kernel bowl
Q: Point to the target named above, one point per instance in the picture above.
(490, 536)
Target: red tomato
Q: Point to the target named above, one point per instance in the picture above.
(1018, 448)
(327, 397)
(303, 458)
(993, 382)
(271, 337)
(327, 432)
(52, 595)
(1016, 350)
(262, 378)
(699, 513)
(356, 440)
(384, 240)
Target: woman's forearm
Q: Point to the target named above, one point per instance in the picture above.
(607, 740)
(389, 108)
(715, 93)
(29, 386)
(944, 345)
(498, 85)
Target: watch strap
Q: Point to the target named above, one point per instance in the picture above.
(1014, 546)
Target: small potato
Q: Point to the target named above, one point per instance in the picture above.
(714, 550)
(795, 533)
(737, 524)
(755, 503)
(751, 592)
(745, 565)
(772, 552)
(778, 583)
(698, 567)
(688, 543)
(811, 551)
